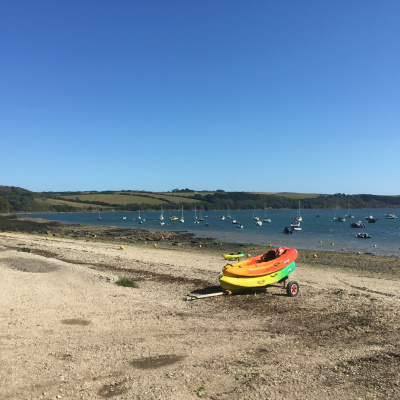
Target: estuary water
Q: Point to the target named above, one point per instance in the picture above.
(318, 232)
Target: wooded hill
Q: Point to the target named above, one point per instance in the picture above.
(14, 199)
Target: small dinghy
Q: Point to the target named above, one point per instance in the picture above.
(357, 224)
(363, 236)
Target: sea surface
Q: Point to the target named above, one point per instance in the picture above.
(318, 233)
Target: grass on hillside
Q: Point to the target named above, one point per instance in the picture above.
(184, 194)
(124, 199)
(294, 196)
(54, 202)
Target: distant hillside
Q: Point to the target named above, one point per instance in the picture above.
(12, 189)
(21, 200)
(17, 198)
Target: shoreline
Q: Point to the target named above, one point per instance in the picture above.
(319, 234)
(365, 263)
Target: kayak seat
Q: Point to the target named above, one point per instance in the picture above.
(270, 255)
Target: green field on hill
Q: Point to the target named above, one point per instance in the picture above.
(291, 195)
(124, 198)
(47, 203)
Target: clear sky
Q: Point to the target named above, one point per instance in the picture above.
(240, 95)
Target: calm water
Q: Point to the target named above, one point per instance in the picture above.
(385, 232)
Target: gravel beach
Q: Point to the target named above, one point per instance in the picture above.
(68, 331)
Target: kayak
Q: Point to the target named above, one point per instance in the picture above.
(234, 284)
(233, 256)
(263, 264)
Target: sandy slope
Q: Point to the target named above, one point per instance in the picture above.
(67, 331)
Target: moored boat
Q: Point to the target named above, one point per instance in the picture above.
(363, 236)
(357, 224)
(266, 219)
(299, 217)
(239, 283)
(287, 230)
(371, 219)
(349, 214)
(263, 264)
(340, 219)
(295, 223)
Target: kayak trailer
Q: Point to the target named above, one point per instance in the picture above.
(291, 287)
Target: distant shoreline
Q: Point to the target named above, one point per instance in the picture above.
(364, 264)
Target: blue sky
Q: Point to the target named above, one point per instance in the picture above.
(251, 95)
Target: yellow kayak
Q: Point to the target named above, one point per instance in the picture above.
(235, 284)
(233, 256)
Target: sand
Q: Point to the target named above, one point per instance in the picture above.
(69, 332)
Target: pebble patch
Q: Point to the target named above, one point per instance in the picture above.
(156, 362)
(76, 321)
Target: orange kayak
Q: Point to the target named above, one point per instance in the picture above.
(263, 264)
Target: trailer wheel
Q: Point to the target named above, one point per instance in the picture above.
(292, 289)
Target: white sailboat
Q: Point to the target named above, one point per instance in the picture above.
(266, 219)
(389, 215)
(299, 217)
(338, 219)
(229, 214)
(254, 215)
(182, 219)
(162, 215)
(370, 218)
(349, 215)
(295, 223)
(196, 221)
